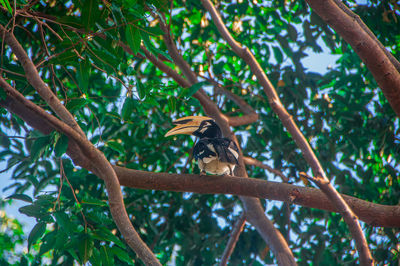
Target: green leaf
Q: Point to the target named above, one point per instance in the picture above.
(278, 54)
(73, 254)
(140, 89)
(116, 146)
(65, 222)
(39, 146)
(32, 210)
(121, 254)
(149, 45)
(107, 256)
(194, 88)
(95, 259)
(172, 104)
(61, 239)
(48, 242)
(36, 232)
(292, 32)
(94, 201)
(133, 38)
(3, 94)
(71, 21)
(85, 248)
(105, 235)
(76, 104)
(6, 4)
(84, 74)
(66, 57)
(90, 13)
(156, 30)
(21, 197)
(127, 108)
(61, 146)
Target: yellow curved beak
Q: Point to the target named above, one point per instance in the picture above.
(187, 125)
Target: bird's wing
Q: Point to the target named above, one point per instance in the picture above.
(226, 149)
(204, 150)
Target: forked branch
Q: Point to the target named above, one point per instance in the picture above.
(287, 121)
(252, 206)
(36, 81)
(98, 165)
(371, 213)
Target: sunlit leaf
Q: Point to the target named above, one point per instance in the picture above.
(6, 4)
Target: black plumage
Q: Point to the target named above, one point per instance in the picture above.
(214, 154)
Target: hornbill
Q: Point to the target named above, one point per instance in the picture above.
(214, 154)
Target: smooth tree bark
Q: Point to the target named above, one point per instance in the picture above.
(319, 178)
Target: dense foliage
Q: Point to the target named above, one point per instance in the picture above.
(89, 53)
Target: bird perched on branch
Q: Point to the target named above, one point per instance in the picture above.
(214, 154)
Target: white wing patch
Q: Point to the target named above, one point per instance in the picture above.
(234, 153)
(211, 147)
(209, 159)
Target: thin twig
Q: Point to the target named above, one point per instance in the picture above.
(255, 162)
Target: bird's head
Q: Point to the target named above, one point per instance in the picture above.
(199, 126)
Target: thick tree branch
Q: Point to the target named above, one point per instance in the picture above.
(98, 165)
(357, 18)
(322, 181)
(375, 56)
(252, 207)
(178, 59)
(34, 79)
(234, 237)
(371, 213)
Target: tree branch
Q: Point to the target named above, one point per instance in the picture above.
(371, 213)
(234, 237)
(322, 182)
(98, 165)
(166, 69)
(357, 18)
(35, 80)
(249, 117)
(252, 207)
(255, 162)
(378, 60)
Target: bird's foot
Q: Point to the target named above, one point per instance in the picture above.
(203, 173)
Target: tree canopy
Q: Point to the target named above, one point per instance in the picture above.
(89, 88)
